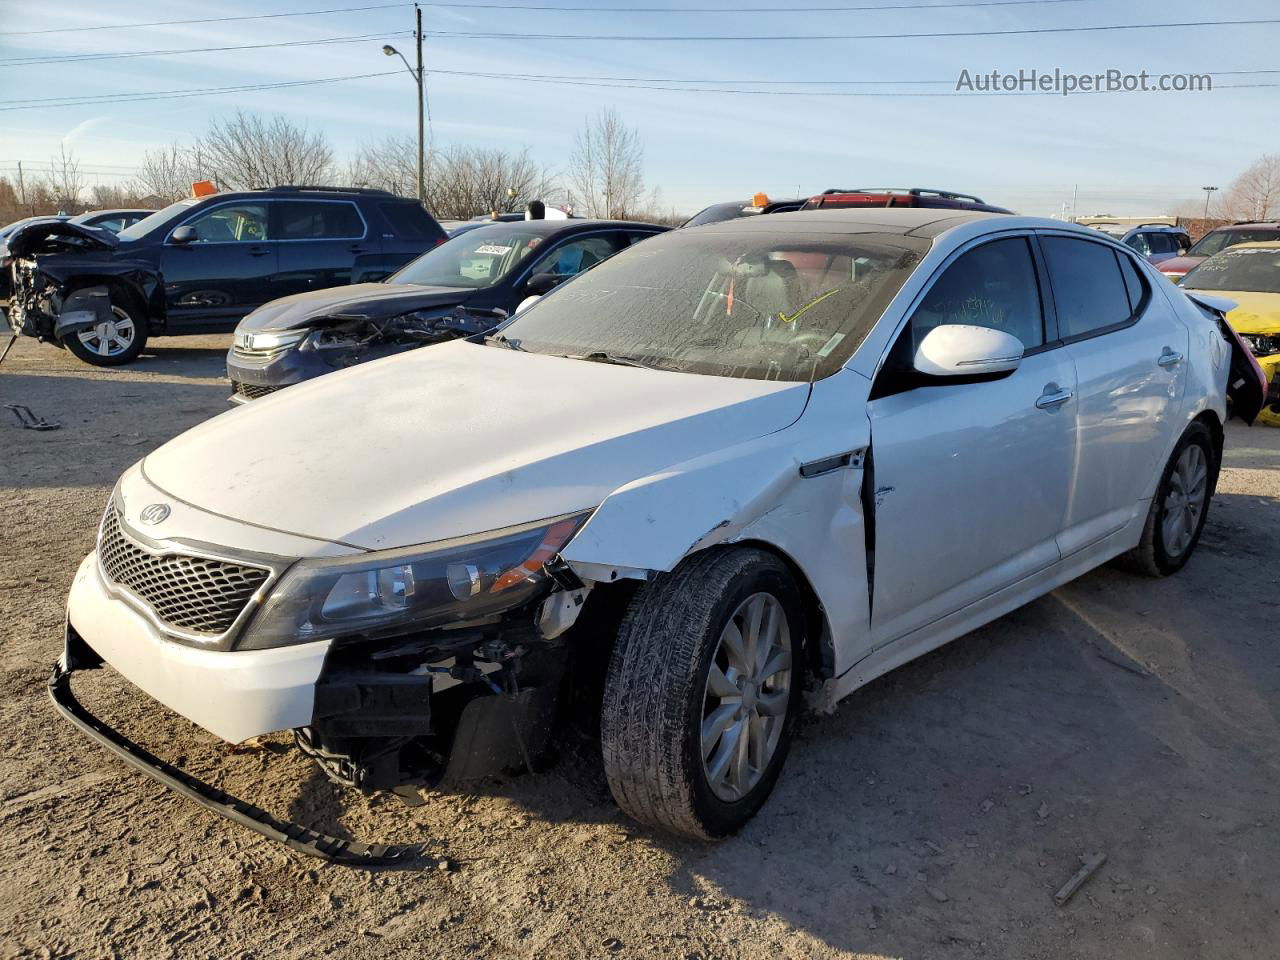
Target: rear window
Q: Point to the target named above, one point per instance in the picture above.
(408, 221)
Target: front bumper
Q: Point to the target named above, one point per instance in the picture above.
(252, 378)
(234, 695)
(78, 655)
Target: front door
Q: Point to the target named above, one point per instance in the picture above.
(225, 272)
(971, 480)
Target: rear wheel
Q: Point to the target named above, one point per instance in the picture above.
(113, 342)
(702, 692)
(1179, 508)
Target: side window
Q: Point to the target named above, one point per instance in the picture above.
(1160, 243)
(232, 223)
(570, 259)
(1140, 242)
(1134, 284)
(1088, 288)
(635, 236)
(993, 285)
(312, 220)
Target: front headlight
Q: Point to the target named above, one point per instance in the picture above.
(392, 591)
(271, 339)
(1262, 344)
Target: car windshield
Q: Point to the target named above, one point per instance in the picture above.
(757, 305)
(162, 216)
(475, 259)
(1247, 269)
(1218, 240)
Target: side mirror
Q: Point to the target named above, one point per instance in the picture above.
(961, 350)
(540, 284)
(183, 235)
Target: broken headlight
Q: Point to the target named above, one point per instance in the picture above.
(392, 591)
(1262, 344)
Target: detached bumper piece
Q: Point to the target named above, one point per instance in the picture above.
(293, 835)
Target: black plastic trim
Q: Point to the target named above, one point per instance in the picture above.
(292, 835)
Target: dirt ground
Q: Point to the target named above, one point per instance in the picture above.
(934, 815)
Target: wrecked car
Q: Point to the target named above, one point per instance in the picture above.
(201, 264)
(462, 288)
(716, 472)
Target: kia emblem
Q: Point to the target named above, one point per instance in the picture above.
(154, 513)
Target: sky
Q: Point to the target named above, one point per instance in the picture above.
(1136, 154)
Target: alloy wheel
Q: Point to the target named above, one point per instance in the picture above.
(1185, 500)
(747, 695)
(110, 338)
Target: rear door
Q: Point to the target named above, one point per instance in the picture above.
(319, 243)
(1129, 351)
(226, 271)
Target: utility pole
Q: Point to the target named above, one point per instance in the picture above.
(22, 188)
(422, 79)
(1075, 195)
(1208, 192)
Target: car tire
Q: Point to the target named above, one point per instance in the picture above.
(688, 750)
(1179, 508)
(126, 337)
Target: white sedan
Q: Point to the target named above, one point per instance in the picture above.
(727, 464)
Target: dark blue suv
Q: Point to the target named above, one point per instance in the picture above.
(201, 264)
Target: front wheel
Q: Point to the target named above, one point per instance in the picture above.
(112, 342)
(702, 692)
(1179, 508)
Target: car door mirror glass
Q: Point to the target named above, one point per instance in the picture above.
(183, 235)
(964, 350)
(541, 284)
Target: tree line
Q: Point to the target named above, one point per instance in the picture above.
(604, 176)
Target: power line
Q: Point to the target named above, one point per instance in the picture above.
(777, 38)
(171, 23)
(111, 98)
(862, 8)
(180, 94)
(84, 57)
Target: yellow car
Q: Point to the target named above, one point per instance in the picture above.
(1249, 274)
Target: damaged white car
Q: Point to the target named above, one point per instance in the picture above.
(728, 466)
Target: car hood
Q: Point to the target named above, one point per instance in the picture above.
(26, 239)
(1253, 312)
(455, 440)
(1179, 264)
(373, 300)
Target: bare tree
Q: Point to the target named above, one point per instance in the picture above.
(249, 151)
(65, 183)
(461, 181)
(169, 172)
(1255, 194)
(606, 168)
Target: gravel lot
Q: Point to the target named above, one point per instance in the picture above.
(934, 815)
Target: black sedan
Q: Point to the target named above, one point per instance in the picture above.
(461, 288)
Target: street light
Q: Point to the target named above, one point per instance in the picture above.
(418, 77)
(1208, 192)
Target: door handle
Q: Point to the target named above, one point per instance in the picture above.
(1047, 401)
(356, 248)
(1169, 358)
(258, 252)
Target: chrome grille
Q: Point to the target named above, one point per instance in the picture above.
(250, 391)
(199, 594)
(259, 354)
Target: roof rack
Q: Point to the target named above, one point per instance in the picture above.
(302, 188)
(913, 192)
(1153, 223)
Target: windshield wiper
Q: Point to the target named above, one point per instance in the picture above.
(600, 356)
(503, 340)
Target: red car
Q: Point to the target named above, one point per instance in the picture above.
(899, 197)
(1245, 231)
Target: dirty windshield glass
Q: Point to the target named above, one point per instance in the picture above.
(477, 258)
(1247, 269)
(147, 224)
(781, 306)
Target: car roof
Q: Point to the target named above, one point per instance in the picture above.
(917, 221)
(1249, 224)
(548, 228)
